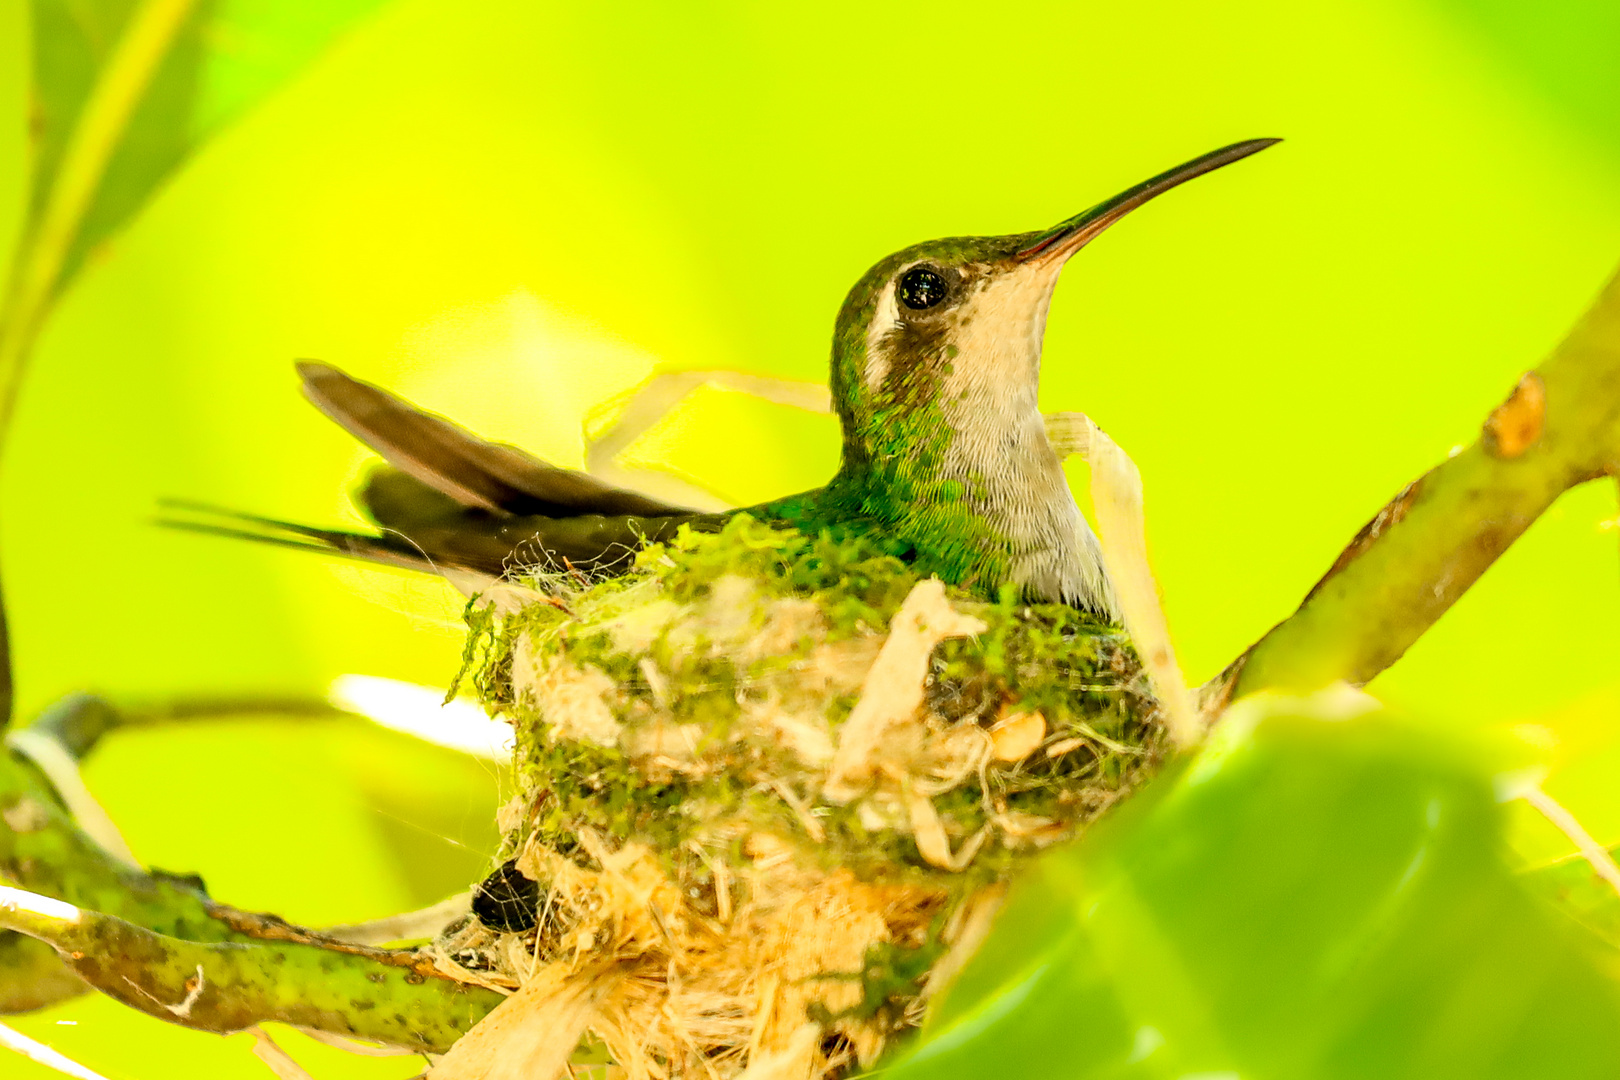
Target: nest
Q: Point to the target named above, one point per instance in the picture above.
(770, 789)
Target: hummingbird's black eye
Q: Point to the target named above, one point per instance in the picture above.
(921, 288)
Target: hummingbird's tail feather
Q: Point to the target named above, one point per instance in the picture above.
(199, 517)
(476, 473)
(453, 546)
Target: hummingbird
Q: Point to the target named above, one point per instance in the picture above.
(935, 373)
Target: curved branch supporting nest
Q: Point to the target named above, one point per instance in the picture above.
(1560, 427)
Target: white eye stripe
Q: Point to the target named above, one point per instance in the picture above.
(885, 318)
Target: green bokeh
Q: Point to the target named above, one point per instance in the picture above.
(511, 212)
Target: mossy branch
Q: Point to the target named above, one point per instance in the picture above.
(139, 935)
(230, 986)
(1559, 428)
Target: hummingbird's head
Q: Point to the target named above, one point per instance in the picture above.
(952, 328)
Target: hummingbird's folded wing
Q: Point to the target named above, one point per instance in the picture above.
(499, 479)
(452, 503)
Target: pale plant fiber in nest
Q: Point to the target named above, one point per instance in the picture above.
(770, 820)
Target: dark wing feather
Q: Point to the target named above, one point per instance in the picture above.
(482, 475)
(467, 538)
(396, 500)
(454, 502)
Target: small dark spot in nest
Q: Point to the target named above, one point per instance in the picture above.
(702, 900)
(567, 845)
(507, 900)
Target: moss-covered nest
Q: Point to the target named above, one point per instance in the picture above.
(769, 787)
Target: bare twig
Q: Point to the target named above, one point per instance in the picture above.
(1116, 496)
(613, 426)
(406, 926)
(275, 1058)
(61, 768)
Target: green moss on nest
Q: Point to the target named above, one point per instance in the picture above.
(760, 771)
(671, 660)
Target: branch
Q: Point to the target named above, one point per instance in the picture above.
(158, 942)
(43, 850)
(231, 986)
(1559, 428)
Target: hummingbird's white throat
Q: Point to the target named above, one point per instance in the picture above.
(988, 394)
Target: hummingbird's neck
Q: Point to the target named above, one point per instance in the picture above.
(945, 450)
(973, 486)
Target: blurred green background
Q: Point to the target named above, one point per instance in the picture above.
(511, 212)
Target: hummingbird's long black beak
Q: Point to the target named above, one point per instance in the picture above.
(1064, 239)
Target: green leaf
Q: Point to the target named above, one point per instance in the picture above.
(221, 58)
(123, 91)
(1310, 897)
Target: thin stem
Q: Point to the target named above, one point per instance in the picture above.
(1116, 496)
(59, 766)
(8, 687)
(406, 926)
